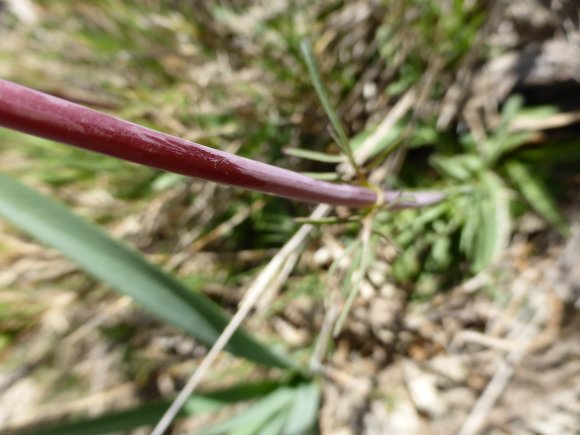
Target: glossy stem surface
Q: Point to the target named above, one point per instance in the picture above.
(43, 115)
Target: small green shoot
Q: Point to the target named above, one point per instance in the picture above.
(339, 131)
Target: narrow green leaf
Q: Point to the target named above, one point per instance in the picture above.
(346, 253)
(440, 251)
(427, 216)
(495, 222)
(503, 140)
(125, 270)
(509, 111)
(407, 265)
(255, 416)
(469, 232)
(537, 112)
(302, 416)
(503, 222)
(450, 166)
(150, 413)
(514, 140)
(461, 167)
(536, 194)
(327, 221)
(314, 155)
(323, 176)
(484, 236)
(410, 230)
(384, 144)
(342, 138)
(274, 425)
(351, 286)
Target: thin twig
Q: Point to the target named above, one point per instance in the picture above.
(325, 331)
(476, 419)
(250, 299)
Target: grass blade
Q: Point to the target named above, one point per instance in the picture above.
(302, 416)
(322, 94)
(124, 270)
(494, 230)
(341, 137)
(256, 416)
(149, 413)
(314, 155)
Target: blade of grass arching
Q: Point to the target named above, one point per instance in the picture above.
(467, 239)
(269, 275)
(561, 151)
(536, 195)
(148, 414)
(503, 222)
(495, 222)
(347, 252)
(302, 415)
(484, 235)
(365, 151)
(360, 267)
(272, 426)
(323, 176)
(331, 314)
(124, 270)
(510, 110)
(314, 155)
(327, 221)
(257, 415)
(376, 141)
(341, 137)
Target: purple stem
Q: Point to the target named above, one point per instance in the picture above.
(43, 115)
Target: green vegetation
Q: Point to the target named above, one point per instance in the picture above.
(239, 77)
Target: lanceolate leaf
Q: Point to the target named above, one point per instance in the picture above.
(342, 138)
(495, 223)
(536, 195)
(256, 416)
(302, 415)
(285, 411)
(150, 413)
(124, 270)
(314, 155)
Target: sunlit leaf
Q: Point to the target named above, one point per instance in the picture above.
(341, 137)
(302, 415)
(441, 251)
(504, 140)
(357, 272)
(272, 426)
(383, 144)
(407, 265)
(451, 167)
(494, 231)
(150, 413)
(315, 155)
(124, 269)
(469, 231)
(536, 194)
(255, 416)
(323, 176)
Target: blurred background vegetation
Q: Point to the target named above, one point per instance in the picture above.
(480, 99)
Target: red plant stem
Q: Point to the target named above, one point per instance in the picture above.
(43, 115)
